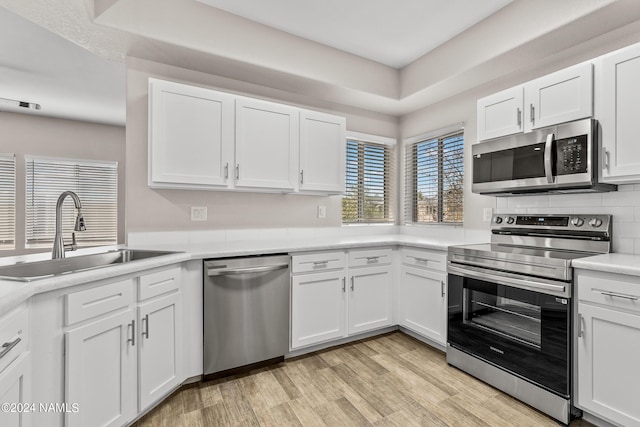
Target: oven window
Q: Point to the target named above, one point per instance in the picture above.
(504, 315)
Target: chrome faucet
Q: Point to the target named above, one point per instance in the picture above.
(59, 247)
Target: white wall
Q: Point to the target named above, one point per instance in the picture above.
(167, 210)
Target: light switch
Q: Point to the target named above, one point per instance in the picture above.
(322, 211)
(487, 214)
(198, 213)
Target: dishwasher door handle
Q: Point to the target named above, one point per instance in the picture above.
(245, 270)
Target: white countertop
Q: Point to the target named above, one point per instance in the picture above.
(610, 263)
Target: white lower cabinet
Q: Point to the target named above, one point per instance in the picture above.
(608, 345)
(423, 294)
(159, 348)
(100, 372)
(370, 298)
(15, 369)
(327, 305)
(317, 308)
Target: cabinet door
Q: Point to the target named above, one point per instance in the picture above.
(423, 303)
(190, 136)
(322, 152)
(560, 97)
(318, 305)
(608, 369)
(100, 371)
(15, 388)
(267, 138)
(620, 112)
(370, 299)
(159, 349)
(500, 114)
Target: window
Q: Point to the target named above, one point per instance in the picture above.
(434, 178)
(369, 189)
(95, 183)
(7, 201)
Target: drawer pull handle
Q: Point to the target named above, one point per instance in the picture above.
(320, 263)
(613, 294)
(421, 259)
(580, 327)
(8, 346)
(132, 340)
(373, 258)
(145, 331)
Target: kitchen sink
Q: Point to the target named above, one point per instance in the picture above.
(29, 271)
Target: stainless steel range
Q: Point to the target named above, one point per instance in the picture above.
(510, 309)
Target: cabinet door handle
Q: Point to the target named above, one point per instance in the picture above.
(344, 284)
(519, 117)
(605, 159)
(352, 284)
(8, 346)
(226, 171)
(132, 326)
(442, 286)
(615, 295)
(532, 110)
(145, 325)
(580, 324)
(237, 171)
(302, 176)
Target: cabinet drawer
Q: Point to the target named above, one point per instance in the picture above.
(362, 258)
(13, 336)
(612, 290)
(97, 301)
(321, 261)
(434, 260)
(158, 283)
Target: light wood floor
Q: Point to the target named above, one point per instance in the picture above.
(390, 380)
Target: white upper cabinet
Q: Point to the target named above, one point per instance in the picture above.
(500, 114)
(322, 152)
(267, 142)
(560, 97)
(190, 136)
(619, 115)
(202, 139)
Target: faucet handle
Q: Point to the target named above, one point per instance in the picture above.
(74, 245)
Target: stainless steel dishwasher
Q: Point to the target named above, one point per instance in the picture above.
(246, 313)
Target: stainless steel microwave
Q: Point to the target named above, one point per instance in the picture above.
(561, 158)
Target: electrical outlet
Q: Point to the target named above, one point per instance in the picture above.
(198, 213)
(322, 211)
(487, 214)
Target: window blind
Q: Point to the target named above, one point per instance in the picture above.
(369, 189)
(95, 183)
(7, 201)
(434, 179)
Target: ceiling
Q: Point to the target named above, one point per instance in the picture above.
(68, 55)
(394, 33)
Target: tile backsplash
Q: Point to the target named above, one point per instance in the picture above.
(623, 205)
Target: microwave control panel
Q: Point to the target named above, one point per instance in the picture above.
(571, 155)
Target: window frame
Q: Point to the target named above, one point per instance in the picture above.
(411, 171)
(5, 185)
(389, 193)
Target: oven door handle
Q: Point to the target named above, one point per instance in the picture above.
(530, 284)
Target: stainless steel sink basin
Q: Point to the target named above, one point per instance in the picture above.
(28, 271)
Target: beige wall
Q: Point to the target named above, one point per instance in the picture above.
(162, 210)
(24, 134)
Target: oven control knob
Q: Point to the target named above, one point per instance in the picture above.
(577, 222)
(595, 222)
(510, 220)
(498, 220)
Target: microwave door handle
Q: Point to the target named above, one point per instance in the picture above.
(548, 167)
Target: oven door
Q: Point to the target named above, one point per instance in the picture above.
(516, 328)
